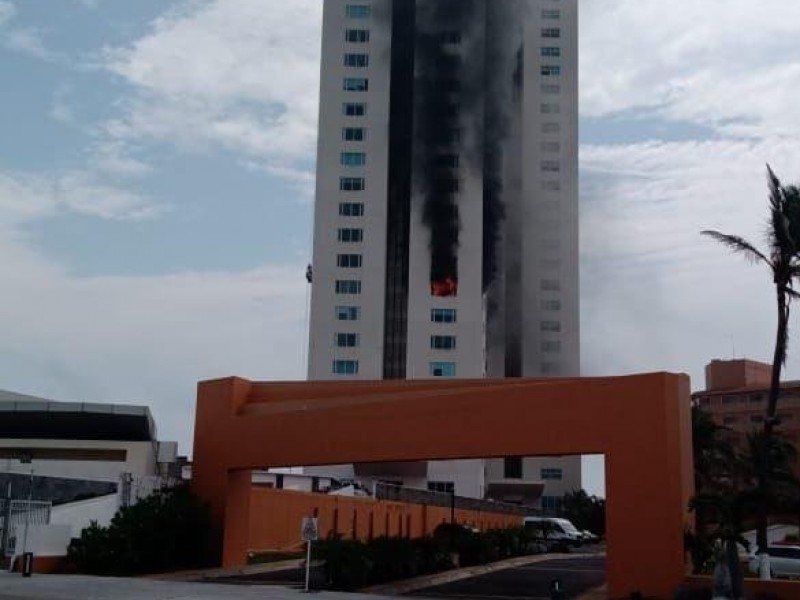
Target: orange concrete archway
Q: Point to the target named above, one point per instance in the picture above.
(641, 423)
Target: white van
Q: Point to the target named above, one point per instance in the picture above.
(553, 529)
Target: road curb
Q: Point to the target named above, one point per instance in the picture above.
(417, 583)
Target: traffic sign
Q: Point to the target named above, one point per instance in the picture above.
(309, 530)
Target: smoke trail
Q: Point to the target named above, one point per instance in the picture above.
(465, 62)
(446, 76)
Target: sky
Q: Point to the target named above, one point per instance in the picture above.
(157, 174)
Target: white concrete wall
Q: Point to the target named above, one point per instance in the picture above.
(43, 540)
(140, 459)
(78, 515)
(326, 214)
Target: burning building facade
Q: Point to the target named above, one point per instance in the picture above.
(446, 214)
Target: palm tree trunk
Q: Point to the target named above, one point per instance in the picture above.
(764, 464)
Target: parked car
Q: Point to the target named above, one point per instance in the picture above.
(784, 561)
(554, 531)
(589, 537)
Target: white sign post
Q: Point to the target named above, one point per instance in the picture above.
(309, 530)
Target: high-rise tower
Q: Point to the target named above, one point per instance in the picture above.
(446, 217)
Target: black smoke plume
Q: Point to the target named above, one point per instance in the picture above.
(464, 79)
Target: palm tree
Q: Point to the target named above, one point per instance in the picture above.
(783, 262)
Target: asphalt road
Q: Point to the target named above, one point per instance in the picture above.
(577, 575)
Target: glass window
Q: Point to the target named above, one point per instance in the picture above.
(550, 88)
(551, 147)
(348, 286)
(443, 315)
(550, 368)
(351, 184)
(551, 13)
(348, 261)
(442, 369)
(354, 134)
(345, 367)
(549, 32)
(450, 37)
(354, 109)
(551, 305)
(550, 166)
(550, 108)
(348, 313)
(552, 473)
(358, 11)
(549, 70)
(550, 285)
(448, 161)
(443, 487)
(550, 51)
(346, 340)
(443, 342)
(356, 84)
(356, 60)
(351, 209)
(552, 504)
(551, 346)
(350, 235)
(552, 326)
(551, 186)
(551, 127)
(356, 36)
(512, 467)
(353, 159)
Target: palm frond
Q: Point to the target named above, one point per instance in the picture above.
(738, 245)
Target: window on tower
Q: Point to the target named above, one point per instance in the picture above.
(356, 36)
(345, 367)
(352, 235)
(351, 184)
(353, 159)
(354, 134)
(443, 342)
(351, 209)
(348, 261)
(356, 60)
(346, 340)
(358, 11)
(355, 84)
(442, 369)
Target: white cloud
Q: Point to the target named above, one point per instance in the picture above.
(656, 294)
(147, 340)
(226, 74)
(7, 12)
(26, 197)
(114, 157)
(709, 62)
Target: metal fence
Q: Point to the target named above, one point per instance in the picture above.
(15, 515)
(386, 491)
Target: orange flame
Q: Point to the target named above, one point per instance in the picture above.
(443, 289)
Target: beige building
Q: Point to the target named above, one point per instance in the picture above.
(736, 397)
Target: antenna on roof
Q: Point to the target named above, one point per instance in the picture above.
(733, 346)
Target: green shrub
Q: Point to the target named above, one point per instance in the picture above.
(167, 531)
(347, 563)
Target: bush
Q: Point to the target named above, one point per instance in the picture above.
(347, 563)
(350, 564)
(167, 531)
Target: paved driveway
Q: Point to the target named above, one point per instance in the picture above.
(577, 576)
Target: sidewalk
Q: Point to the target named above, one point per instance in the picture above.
(83, 587)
